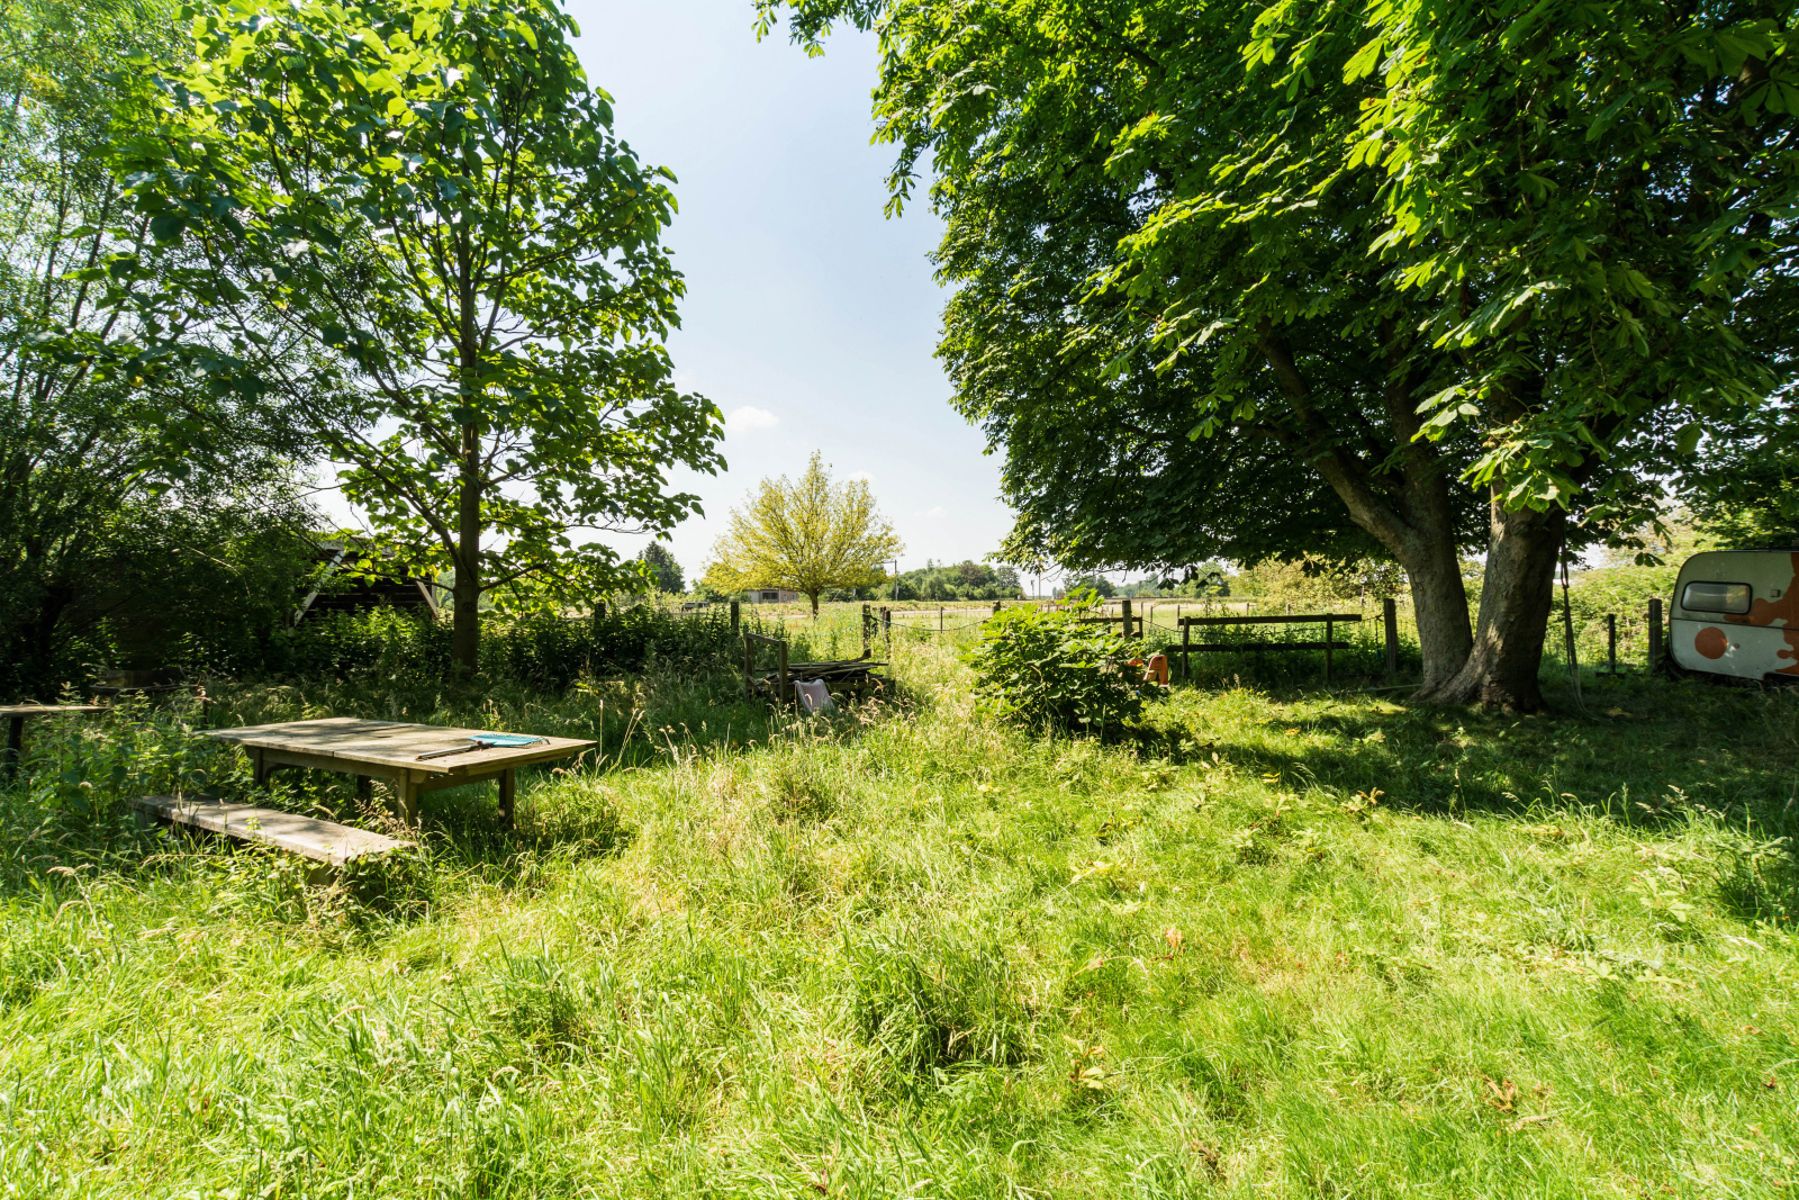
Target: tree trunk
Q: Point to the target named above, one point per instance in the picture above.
(1502, 669)
(465, 629)
(35, 643)
(813, 596)
(1440, 604)
(1417, 527)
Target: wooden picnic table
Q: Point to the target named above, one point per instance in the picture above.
(16, 714)
(390, 750)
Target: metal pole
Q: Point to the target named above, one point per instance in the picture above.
(1389, 613)
(1611, 643)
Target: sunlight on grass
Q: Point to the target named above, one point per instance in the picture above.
(1277, 945)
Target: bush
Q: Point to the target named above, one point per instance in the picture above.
(1054, 670)
(542, 650)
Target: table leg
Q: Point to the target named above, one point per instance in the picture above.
(15, 743)
(406, 791)
(260, 767)
(508, 797)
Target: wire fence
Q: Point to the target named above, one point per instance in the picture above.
(1604, 642)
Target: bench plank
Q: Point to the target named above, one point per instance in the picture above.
(309, 837)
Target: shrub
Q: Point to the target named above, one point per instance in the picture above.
(542, 650)
(1054, 670)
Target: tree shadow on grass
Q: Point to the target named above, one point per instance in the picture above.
(1644, 752)
(1641, 752)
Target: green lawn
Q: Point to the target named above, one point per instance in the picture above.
(1299, 946)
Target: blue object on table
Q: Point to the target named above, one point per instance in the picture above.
(484, 741)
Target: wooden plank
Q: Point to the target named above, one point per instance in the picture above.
(1655, 633)
(348, 743)
(1309, 619)
(39, 710)
(1232, 647)
(321, 841)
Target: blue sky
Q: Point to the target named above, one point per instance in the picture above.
(810, 318)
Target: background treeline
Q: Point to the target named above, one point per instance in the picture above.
(958, 581)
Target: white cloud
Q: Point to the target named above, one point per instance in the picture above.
(748, 417)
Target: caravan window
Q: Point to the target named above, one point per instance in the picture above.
(1733, 598)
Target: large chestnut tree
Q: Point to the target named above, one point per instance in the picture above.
(1418, 263)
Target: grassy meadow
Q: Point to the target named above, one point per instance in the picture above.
(1277, 942)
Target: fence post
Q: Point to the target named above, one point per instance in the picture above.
(736, 616)
(1611, 643)
(1655, 632)
(1329, 642)
(1186, 652)
(867, 632)
(784, 685)
(1389, 615)
(749, 672)
(1124, 609)
(887, 629)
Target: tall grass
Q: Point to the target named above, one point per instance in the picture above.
(1276, 945)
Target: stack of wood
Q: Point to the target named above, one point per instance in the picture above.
(841, 675)
(846, 671)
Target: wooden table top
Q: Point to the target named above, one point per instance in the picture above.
(35, 710)
(395, 744)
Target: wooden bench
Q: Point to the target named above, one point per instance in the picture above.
(324, 842)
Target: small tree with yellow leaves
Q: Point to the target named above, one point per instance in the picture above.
(808, 535)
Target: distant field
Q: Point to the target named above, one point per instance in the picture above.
(1280, 944)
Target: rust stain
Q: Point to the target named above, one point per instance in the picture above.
(1783, 612)
(1712, 642)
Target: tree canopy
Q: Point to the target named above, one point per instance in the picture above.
(809, 535)
(663, 568)
(1494, 261)
(1744, 488)
(109, 456)
(427, 199)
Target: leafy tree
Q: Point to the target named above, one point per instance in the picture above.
(1744, 488)
(662, 566)
(958, 581)
(1431, 260)
(429, 198)
(1098, 585)
(810, 535)
(103, 448)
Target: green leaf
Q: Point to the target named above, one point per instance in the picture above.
(1363, 62)
(167, 227)
(1686, 441)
